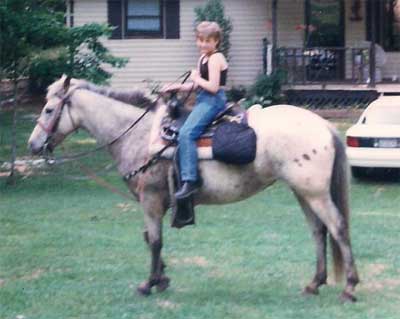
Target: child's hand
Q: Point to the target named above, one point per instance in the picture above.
(194, 75)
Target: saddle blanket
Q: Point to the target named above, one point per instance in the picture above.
(204, 144)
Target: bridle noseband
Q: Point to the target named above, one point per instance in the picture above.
(52, 127)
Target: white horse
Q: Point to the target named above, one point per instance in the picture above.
(293, 145)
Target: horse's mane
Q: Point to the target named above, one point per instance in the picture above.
(134, 97)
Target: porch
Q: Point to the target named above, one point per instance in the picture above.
(335, 42)
(313, 65)
(334, 53)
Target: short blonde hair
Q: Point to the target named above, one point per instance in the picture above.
(209, 29)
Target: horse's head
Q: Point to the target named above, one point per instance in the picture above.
(55, 121)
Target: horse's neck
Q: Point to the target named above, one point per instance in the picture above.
(106, 119)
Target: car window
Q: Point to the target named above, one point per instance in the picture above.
(382, 115)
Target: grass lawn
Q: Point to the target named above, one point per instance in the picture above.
(71, 249)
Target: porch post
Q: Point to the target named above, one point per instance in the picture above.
(372, 62)
(274, 33)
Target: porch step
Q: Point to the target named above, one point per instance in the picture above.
(321, 99)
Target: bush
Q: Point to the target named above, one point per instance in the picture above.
(82, 56)
(266, 90)
(45, 70)
(235, 94)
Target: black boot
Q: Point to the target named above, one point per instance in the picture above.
(187, 189)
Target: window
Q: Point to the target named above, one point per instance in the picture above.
(144, 18)
(387, 23)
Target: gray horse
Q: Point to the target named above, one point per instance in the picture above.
(293, 145)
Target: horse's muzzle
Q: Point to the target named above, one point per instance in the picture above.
(34, 149)
(40, 149)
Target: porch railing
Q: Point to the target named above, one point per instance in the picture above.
(324, 64)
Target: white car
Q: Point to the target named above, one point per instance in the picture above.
(374, 141)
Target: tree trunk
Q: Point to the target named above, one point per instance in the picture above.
(11, 177)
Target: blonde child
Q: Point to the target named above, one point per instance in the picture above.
(209, 79)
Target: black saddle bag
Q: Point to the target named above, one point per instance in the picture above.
(234, 143)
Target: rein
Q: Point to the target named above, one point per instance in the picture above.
(54, 124)
(53, 160)
(52, 127)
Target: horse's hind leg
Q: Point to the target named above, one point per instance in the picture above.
(154, 213)
(319, 232)
(339, 229)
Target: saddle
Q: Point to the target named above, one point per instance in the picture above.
(228, 139)
(174, 120)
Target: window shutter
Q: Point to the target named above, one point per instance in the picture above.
(115, 17)
(172, 19)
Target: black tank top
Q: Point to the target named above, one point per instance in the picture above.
(204, 71)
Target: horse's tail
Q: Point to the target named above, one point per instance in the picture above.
(339, 189)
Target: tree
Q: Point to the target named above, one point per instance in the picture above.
(82, 56)
(26, 26)
(30, 27)
(214, 10)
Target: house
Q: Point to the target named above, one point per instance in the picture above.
(315, 41)
(160, 42)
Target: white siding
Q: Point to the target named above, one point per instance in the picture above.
(290, 14)
(88, 11)
(355, 33)
(163, 60)
(354, 30)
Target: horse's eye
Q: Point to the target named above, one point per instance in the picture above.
(49, 111)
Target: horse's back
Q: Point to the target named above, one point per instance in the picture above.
(294, 144)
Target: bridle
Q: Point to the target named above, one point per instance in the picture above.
(52, 127)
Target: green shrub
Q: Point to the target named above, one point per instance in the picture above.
(45, 70)
(82, 56)
(266, 91)
(236, 93)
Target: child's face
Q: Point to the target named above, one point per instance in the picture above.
(206, 45)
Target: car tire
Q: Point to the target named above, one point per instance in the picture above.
(358, 172)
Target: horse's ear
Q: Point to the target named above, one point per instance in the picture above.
(66, 84)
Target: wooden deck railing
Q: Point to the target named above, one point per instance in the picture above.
(324, 64)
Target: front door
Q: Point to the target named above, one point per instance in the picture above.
(324, 37)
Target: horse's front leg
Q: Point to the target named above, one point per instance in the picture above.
(164, 283)
(153, 214)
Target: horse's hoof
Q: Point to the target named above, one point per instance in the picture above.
(347, 297)
(308, 291)
(163, 284)
(144, 289)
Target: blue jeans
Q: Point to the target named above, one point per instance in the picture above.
(207, 107)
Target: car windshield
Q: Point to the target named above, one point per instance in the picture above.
(383, 115)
